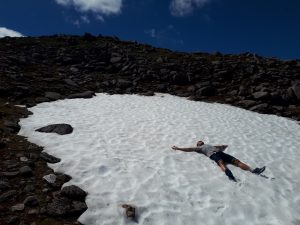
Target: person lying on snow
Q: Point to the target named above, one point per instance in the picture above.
(216, 154)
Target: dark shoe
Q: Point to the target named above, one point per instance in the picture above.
(259, 170)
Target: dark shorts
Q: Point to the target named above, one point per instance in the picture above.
(221, 155)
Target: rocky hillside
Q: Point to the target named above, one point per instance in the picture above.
(35, 70)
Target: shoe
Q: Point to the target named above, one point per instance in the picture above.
(259, 170)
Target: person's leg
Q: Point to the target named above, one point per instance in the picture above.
(244, 166)
(224, 168)
(218, 158)
(241, 165)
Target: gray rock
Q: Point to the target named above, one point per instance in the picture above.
(247, 103)
(8, 196)
(18, 207)
(26, 171)
(3, 143)
(4, 186)
(73, 192)
(13, 126)
(86, 94)
(41, 99)
(261, 95)
(29, 188)
(31, 201)
(52, 95)
(244, 91)
(115, 59)
(58, 207)
(296, 90)
(260, 108)
(181, 78)
(77, 208)
(49, 158)
(123, 84)
(50, 178)
(10, 174)
(61, 129)
(207, 91)
(70, 82)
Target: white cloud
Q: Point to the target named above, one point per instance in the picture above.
(105, 7)
(185, 7)
(85, 19)
(4, 32)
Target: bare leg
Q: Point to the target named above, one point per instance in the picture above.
(242, 165)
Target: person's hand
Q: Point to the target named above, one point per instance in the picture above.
(175, 148)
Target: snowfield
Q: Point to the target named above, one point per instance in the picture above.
(120, 153)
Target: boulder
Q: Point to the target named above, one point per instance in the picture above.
(86, 94)
(52, 95)
(247, 103)
(49, 158)
(73, 192)
(31, 201)
(26, 171)
(58, 207)
(207, 91)
(61, 129)
(123, 84)
(296, 90)
(261, 95)
(12, 126)
(260, 108)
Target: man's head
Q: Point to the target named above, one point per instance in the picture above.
(199, 143)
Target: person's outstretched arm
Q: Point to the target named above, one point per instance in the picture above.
(183, 149)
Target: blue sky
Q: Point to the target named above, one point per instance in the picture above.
(266, 27)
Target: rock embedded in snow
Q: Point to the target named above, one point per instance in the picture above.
(61, 129)
(73, 192)
(49, 158)
(52, 95)
(86, 94)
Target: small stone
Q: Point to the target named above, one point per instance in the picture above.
(26, 171)
(23, 159)
(33, 212)
(31, 201)
(18, 207)
(50, 178)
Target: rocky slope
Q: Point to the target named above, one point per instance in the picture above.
(34, 70)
